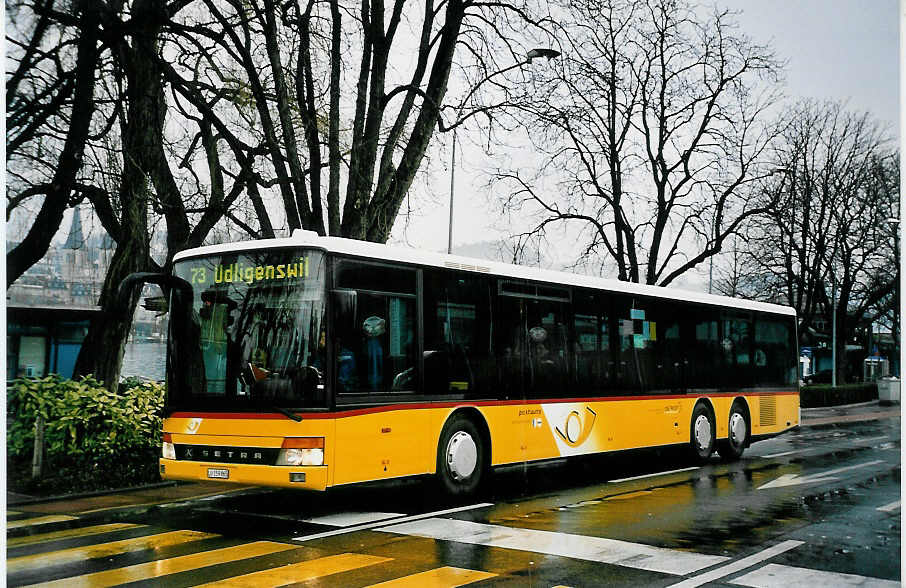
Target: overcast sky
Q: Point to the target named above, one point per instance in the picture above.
(838, 49)
(835, 49)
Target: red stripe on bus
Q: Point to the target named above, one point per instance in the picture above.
(420, 406)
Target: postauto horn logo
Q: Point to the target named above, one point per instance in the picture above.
(576, 429)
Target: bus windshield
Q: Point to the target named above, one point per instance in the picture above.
(247, 332)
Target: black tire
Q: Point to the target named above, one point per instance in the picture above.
(701, 433)
(738, 432)
(461, 461)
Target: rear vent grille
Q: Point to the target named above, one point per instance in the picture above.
(767, 410)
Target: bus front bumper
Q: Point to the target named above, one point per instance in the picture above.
(302, 477)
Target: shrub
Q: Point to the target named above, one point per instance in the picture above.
(88, 430)
(826, 395)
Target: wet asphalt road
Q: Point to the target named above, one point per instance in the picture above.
(818, 506)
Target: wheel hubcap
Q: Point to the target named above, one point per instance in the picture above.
(703, 432)
(462, 455)
(737, 428)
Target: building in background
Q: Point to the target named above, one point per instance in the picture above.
(50, 307)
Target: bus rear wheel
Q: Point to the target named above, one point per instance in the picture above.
(460, 457)
(702, 433)
(737, 435)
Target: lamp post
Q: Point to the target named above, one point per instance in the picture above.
(895, 326)
(833, 311)
(533, 54)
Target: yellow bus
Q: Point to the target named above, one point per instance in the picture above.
(313, 362)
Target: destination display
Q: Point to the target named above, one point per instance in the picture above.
(239, 272)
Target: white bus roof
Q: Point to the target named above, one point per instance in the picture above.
(381, 252)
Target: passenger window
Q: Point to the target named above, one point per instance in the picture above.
(773, 357)
(670, 352)
(637, 334)
(356, 275)
(546, 343)
(736, 350)
(593, 364)
(375, 334)
(652, 356)
(458, 327)
(705, 353)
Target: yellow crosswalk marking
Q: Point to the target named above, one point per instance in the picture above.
(68, 534)
(301, 572)
(446, 577)
(38, 521)
(156, 569)
(75, 554)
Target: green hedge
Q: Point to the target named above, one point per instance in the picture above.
(94, 439)
(826, 395)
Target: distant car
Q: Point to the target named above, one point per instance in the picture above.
(819, 377)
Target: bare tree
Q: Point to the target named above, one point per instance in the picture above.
(656, 134)
(50, 107)
(262, 98)
(148, 184)
(111, 145)
(343, 97)
(826, 247)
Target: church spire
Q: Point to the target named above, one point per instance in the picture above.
(75, 239)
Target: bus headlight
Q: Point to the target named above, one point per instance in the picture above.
(168, 450)
(301, 457)
(301, 451)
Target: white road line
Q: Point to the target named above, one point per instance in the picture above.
(873, 438)
(779, 454)
(654, 474)
(890, 507)
(349, 519)
(35, 521)
(771, 455)
(739, 565)
(796, 479)
(773, 575)
(367, 526)
(597, 549)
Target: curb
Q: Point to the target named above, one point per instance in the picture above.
(142, 508)
(43, 499)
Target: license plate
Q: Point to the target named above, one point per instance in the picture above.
(219, 473)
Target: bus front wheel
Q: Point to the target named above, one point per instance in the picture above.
(702, 433)
(460, 457)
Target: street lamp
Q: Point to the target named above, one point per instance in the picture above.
(533, 54)
(541, 52)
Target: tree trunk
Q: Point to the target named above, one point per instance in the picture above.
(37, 458)
(102, 350)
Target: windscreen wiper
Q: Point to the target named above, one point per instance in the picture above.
(288, 413)
(251, 375)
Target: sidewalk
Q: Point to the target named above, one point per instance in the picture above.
(865, 411)
(140, 497)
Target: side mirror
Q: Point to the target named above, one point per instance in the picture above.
(125, 289)
(344, 311)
